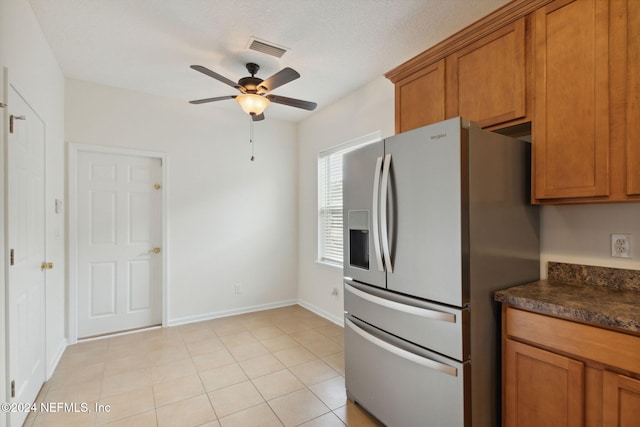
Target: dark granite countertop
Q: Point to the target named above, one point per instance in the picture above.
(583, 298)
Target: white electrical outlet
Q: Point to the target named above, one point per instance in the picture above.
(621, 245)
(237, 288)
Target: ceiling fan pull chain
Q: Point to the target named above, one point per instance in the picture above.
(251, 136)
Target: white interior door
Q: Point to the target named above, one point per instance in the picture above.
(119, 237)
(26, 248)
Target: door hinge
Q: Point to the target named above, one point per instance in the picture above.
(11, 258)
(11, 120)
(13, 388)
(3, 105)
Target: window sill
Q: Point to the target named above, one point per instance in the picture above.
(332, 265)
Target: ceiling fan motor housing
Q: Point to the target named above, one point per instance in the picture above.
(251, 84)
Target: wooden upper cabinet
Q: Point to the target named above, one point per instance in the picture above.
(632, 93)
(479, 73)
(570, 129)
(420, 98)
(569, 67)
(486, 81)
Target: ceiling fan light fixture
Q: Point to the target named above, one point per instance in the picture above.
(252, 103)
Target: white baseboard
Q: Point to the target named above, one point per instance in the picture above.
(53, 364)
(227, 313)
(337, 320)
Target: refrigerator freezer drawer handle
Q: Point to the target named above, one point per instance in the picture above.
(410, 309)
(374, 210)
(383, 213)
(407, 355)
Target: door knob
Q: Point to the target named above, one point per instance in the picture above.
(155, 250)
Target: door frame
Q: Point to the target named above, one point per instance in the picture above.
(73, 150)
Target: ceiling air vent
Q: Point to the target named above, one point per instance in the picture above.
(267, 47)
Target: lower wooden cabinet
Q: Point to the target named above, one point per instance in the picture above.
(558, 372)
(621, 400)
(542, 388)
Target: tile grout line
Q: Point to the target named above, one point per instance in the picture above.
(298, 325)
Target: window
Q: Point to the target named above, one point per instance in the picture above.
(330, 199)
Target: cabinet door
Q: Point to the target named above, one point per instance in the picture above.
(571, 112)
(633, 98)
(621, 405)
(420, 98)
(541, 388)
(486, 80)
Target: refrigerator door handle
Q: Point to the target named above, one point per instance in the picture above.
(374, 214)
(407, 355)
(405, 308)
(383, 214)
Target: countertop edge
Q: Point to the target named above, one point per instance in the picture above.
(558, 304)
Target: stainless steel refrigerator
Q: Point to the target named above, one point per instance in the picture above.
(436, 219)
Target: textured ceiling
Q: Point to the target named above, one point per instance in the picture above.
(336, 45)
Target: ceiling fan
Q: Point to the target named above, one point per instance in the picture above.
(255, 95)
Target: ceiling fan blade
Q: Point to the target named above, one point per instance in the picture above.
(218, 98)
(292, 102)
(208, 72)
(278, 79)
(257, 117)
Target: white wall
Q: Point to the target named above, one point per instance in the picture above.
(230, 220)
(581, 234)
(364, 111)
(34, 71)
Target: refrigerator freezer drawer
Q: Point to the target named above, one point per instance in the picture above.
(401, 384)
(439, 328)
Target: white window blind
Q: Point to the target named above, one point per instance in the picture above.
(330, 207)
(330, 230)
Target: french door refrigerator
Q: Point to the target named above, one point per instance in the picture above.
(436, 219)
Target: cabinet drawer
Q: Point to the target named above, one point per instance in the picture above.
(588, 342)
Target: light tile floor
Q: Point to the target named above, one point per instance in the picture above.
(280, 367)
